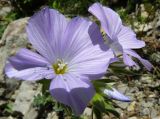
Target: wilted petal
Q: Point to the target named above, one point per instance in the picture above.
(127, 38)
(30, 74)
(73, 91)
(109, 19)
(114, 94)
(45, 30)
(146, 63)
(27, 59)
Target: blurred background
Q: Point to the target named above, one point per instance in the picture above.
(143, 16)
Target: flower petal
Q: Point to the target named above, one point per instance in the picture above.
(127, 38)
(30, 74)
(109, 19)
(128, 60)
(27, 59)
(85, 50)
(74, 91)
(45, 30)
(79, 35)
(146, 63)
(114, 94)
(91, 61)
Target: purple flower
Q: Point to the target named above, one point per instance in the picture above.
(114, 94)
(120, 39)
(71, 53)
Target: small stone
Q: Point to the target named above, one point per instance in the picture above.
(154, 113)
(144, 14)
(133, 89)
(52, 115)
(139, 95)
(122, 105)
(152, 96)
(104, 117)
(24, 99)
(2, 102)
(122, 88)
(31, 114)
(132, 106)
(145, 111)
(5, 10)
(147, 104)
(132, 118)
(87, 111)
(1, 91)
(158, 117)
(146, 79)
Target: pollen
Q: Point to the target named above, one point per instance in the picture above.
(60, 67)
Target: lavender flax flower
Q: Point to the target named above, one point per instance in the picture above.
(120, 39)
(70, 53)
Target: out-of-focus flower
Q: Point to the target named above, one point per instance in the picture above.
(114, 94)
(119, 38)
(70, 53)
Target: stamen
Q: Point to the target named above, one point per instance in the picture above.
(60, 67)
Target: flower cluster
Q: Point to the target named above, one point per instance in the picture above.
(72, 53)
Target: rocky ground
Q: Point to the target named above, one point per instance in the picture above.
(17, 96)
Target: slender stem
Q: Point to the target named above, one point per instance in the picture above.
(92, 113)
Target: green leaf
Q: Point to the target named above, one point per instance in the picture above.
(45, 85)
(9, 107)
(100, 85)
(103, 105)
(97, 113)
(110, 108)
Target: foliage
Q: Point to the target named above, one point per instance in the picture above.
(27, 7)
(6, 20)
(6, 109)
(73, 7)
(155, 57)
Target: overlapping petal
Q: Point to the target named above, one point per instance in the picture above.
(79, 35)
(73, 90)
(27, 59)
(30, 74)
(109, 19)
(85, 50)
(45, 30)
(114, 94)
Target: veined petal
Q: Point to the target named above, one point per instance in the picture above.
(127, 38)
(109, 19)
(79, 35)
(74, 91)
(91, 61)
(27, 59)
(146, 63)
(114, 94)
(30, 74)
(45, 30)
